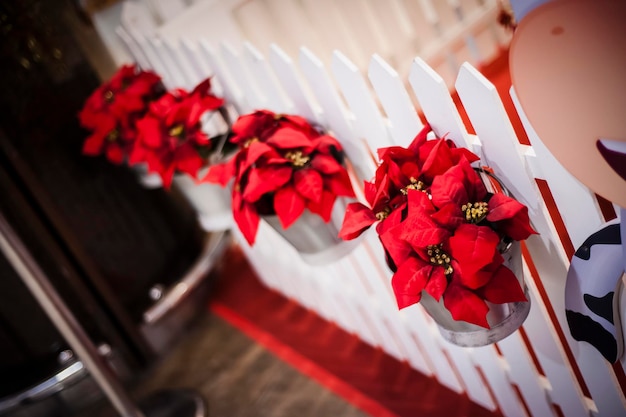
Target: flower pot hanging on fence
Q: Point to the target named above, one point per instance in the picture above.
(165, 136)
(502, 318)
(451, 236)
(293, 176)
(316, 240)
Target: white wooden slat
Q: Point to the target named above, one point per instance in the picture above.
(156, 61)
(605, 392)
(367, 310)
(437, 105)
(169, 62)
(418, 327)
(576, 203)
(266, 81)
(335, 114)
(495, 373)
(133, 48)
(181, 60)
(524, 375)
(197, 66)
(230, 89)
(369, 123)
(473, 383)
(236, 66)
(564, 390)
(287, 74)
(405, 124)
(416, 358)
(488, 116)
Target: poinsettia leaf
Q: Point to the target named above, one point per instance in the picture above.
(419, 139)
(437, 282)
(393, 219)
(325, 164)
(449, 188)
(323, 208)
(449, 216)
(115, 154)
(419, 229)
(474, 185)
(186, 159)
(437, 161)
(220, 173)
(339, 184)
(264, 180)
(356, 220)
(503, 287)
(252, 125)
(93, 144)
(369, 190)
(408, 282)
(464, 305)
(288, 205)
(511, 217)
(309, 183)
(149, 130)
(473, 247)
(289, 138)
(419, 203)
(247, 220)
(254, 151)
(396, 248)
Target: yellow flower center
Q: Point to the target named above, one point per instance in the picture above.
(177, 130)
(414, 185)
(297, 158)
(475, 212)
(108, 96)
(113, 135)
(438, 257)
(250, 141)
(382, 215)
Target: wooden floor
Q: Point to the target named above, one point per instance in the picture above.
(239, 378)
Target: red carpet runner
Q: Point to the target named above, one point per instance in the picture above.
(365, 376)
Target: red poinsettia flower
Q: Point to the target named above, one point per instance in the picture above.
(284, 166)
(170, 136)
(464, 267)
(461, 197)
(440, 227)
(400, 170)
(112, 109)
(262, 124)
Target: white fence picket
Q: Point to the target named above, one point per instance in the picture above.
(266, 81)
(369, 123)
(439, 109)
(303, 103)
(335, 114)
(404, 122)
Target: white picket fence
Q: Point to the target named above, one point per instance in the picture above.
(445, 33)
(539, 370)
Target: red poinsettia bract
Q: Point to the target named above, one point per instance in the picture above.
(170, 136)
(112, 109)
(441, 229)
(283, 166)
